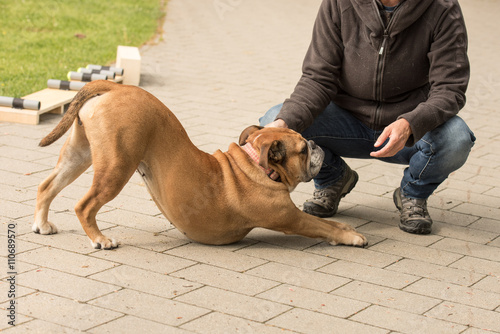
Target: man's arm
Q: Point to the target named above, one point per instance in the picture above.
(320, 71)
(448, 75)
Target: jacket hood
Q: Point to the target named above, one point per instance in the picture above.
(406, 14)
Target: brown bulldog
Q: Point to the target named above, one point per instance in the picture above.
(213, 199)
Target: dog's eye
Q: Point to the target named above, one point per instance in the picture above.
(304, 150)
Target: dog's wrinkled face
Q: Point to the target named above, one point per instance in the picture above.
(287, 152)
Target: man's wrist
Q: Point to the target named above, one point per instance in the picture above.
(278, 123)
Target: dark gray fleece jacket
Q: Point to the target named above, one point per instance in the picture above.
(414, 68)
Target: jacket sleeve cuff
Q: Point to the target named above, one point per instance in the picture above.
(295, 117)
(419, 125)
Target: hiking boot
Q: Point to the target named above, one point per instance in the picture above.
(325, 202)
(414, 216)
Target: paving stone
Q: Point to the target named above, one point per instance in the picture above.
(17, 194)
(22, 154)
(216, 256)
(65, 285)
(20, 290)
(132, 325)
(153, 241)
(141, 205)
(355, 254)
(369, 274)
(21, 245)
(135, 220)
(478, 210)
(472, 330)
(225, 279)
(146, 306)
(144, 259)
(285, 256)
(463, 233)
(371, 214)
(455, 293)
(14, 210)
(478, 265)
(306, 321)
(281, 239)
(22, 226)
(470, 197)
(467, 315)
(314, 300)
(489, 283)
(83, 316)
(298, 277)
(216, 323)
(405, 322)
(64, 240)
(452, 217)
(146, 281)
(495, 243)
(22, 167)
(393, 298)
(436, 272)
(415, 252)
(468, 248)
(393, 232)
(234, 304)
(20, 267)
(68, 262)
(374, 208)
(41, 327)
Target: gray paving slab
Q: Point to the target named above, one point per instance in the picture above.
(219, 65)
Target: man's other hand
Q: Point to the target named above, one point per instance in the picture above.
(398, 133)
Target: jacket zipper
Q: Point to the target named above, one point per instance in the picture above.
(380, 63)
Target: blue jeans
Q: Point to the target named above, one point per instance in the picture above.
(430, 161)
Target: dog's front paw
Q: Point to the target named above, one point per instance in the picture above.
(350, 238)
(103, 242)
(359, 240)
(45, 228)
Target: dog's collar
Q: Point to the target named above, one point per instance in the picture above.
(255, 157)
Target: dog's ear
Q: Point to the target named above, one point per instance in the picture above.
(272, 151)
(247, 132)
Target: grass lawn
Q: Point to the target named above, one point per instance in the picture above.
(45, 39)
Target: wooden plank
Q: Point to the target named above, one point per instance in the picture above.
(51, 100)
(23, 116)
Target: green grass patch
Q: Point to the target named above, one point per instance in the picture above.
(45, 39)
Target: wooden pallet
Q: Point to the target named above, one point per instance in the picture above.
(52, 101)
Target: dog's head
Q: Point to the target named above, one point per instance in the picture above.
(286, 151)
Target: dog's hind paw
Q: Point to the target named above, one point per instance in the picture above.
(46, 228)
(104, 243)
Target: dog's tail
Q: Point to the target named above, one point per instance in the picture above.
(88, 91)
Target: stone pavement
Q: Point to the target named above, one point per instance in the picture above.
(220, 65)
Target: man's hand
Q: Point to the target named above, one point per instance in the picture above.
(398, 133)
(279, 123)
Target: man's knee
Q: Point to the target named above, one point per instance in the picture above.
(457, 137)
(452, 141)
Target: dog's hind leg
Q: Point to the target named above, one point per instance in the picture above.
(109, 179)
(74, 159)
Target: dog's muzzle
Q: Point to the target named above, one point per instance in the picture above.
(316, 159)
